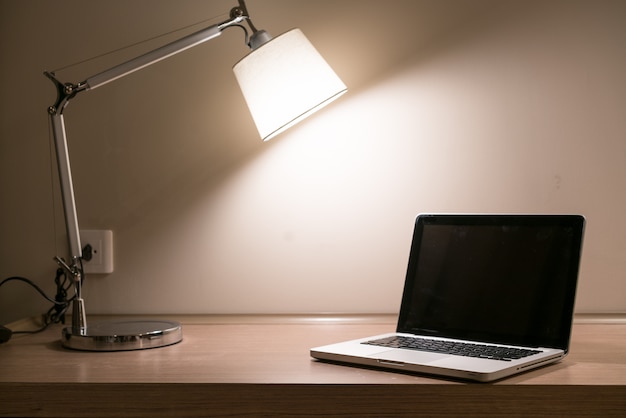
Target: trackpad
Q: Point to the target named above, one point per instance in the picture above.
(409, 356)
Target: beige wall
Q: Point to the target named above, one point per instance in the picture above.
(454, 106)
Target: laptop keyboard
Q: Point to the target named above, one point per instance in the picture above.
(454, 347)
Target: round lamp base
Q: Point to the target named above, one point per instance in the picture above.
(123, 336)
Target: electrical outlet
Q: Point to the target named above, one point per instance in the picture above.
(97, 251)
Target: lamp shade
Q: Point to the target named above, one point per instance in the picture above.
(284, 81)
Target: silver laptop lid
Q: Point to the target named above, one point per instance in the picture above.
(508, 279)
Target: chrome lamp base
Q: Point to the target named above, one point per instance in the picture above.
(123, 335)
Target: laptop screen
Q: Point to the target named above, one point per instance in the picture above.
(508, 279)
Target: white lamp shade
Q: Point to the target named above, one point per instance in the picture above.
(284, 81)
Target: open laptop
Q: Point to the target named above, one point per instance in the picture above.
(485, 297)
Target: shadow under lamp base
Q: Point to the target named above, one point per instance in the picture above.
(123, 335)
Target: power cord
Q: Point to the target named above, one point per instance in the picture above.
(56, 314)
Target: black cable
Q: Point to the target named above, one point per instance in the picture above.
(60, 305)
(30, 282)
(57, 312)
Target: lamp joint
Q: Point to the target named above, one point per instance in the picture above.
(74, 271)
(65, 92)
(236, 12)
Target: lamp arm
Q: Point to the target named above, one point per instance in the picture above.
(66, 92)
(67, 193)
(158, 54)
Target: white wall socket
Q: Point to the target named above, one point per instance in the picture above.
(101, 243)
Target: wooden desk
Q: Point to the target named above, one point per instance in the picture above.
(260, 366)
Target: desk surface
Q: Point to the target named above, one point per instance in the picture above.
(258, 365)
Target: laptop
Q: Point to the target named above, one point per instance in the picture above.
(485, 297)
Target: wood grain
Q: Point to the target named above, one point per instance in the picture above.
(262, 368)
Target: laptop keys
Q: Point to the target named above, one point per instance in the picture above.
(485, 351)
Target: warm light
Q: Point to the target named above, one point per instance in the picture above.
(284, 81)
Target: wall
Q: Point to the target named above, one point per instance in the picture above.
(484, 106)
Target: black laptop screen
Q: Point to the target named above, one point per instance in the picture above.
(502, 278)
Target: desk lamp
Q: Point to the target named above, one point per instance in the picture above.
(283, 80)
